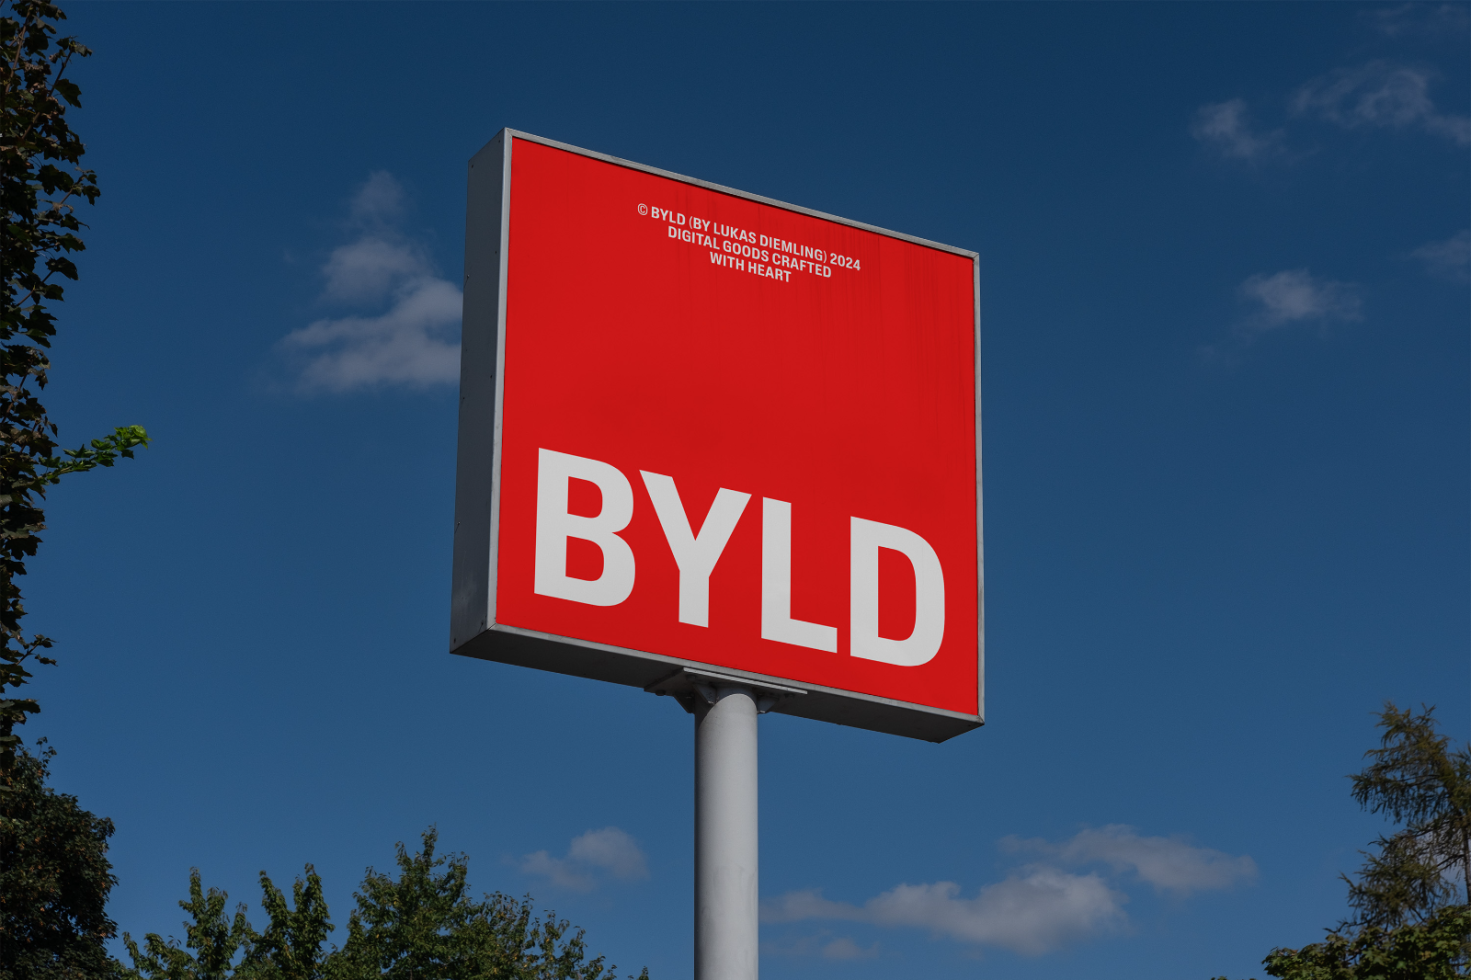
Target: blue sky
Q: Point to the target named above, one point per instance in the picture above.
(1224, 303)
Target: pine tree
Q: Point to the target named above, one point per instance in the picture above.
(1420, 782)
(1408, 922)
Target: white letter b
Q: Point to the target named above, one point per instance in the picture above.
(554, 526)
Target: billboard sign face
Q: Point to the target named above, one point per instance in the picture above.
(701, 429)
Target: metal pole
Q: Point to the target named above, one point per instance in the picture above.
(725, 835)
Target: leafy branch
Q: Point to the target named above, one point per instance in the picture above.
(41, 181)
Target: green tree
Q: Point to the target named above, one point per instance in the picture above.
(421, 925)
(1407, 924)
(1419, 781)
(1430, 949)
(40, 182)
(54, 881)
(212, 940)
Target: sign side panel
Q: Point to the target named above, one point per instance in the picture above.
(980, 522)
(472, 581)
(503, 253)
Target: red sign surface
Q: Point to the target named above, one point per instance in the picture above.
(732, 434)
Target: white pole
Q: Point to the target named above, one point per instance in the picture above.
(726, 930)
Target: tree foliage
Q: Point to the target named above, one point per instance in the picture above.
(1406, 923)
(54, 881)
(421, 925)
(1433, 948)
(41, 181)
(1417, 780)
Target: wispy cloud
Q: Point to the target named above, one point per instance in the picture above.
(1420, 19)
(1032, 912)
(609, 851)
(1295, 295)
(1375, 95)
(1379, 95)
(1449, 259)
(1280, 300)
(1170, 864)
(844, 948)
(1039, 907)
(1226, 126)
(822, 944)
(404, 327)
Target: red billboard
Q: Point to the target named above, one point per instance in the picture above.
(702, 429)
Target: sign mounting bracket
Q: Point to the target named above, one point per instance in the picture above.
(687, 684)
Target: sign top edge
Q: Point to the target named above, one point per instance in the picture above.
(734, 192)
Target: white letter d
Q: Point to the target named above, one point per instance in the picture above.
(929, 595)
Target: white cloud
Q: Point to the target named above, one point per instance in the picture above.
(1032, 912)
(608, 850)
(1168, 863)
(1227, 127)
(369, 269)
(1450, 259)
(410, 344)
(1294, 295)
(1035, 909)
(1379, 95)
(380, 199)
(404, 331)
